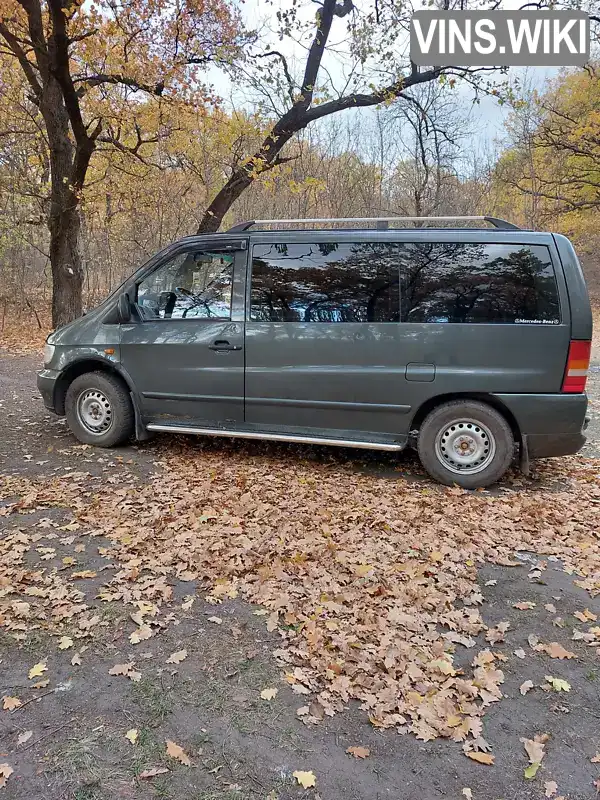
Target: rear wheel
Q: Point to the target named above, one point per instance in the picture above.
(466, 442)
(98, 409)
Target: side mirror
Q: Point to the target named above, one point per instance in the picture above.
(124, 308)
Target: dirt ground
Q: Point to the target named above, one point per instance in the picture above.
(67, 738)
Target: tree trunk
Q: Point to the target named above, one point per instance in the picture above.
(234, 188)
(64, 222)
(65, 261)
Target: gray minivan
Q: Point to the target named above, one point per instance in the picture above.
(470, 344)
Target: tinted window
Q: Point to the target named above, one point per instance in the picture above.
(189, 286)
(325, 282)
(478, 283)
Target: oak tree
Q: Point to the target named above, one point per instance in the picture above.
(86, 66)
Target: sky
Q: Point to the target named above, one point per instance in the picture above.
(488, 117)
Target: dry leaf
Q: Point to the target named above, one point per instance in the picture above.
(216, 620)
(175, 751)
(76, 660)
(550, 788)
(24, 737)
(525, 687)
(595, 759)
(305, 779)
(65, 642)
(142, 633)
(524, 605)
(152, 773)
(550, 607)
(41, 684)
(5, 772)
(520, 653)
(132, 735)
(10, 703)
(558, 684)
(359, 752)
(37, 670)
(121, 669)
(302, 711)
(466, 792)
(178, 657)
(585, 616)
(481, 758)
(535, 747)
(268, 694)
(556, 650)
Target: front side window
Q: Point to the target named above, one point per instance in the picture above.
(325, 282)
(485, 283)
(192, 285)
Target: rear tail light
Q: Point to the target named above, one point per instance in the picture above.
(578, 363)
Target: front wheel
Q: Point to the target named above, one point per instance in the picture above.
(99, 410)
(466, 442)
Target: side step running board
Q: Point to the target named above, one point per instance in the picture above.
(277, 437)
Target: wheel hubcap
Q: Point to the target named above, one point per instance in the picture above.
(465, 446)
(94, 411)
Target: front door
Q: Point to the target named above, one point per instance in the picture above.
(184, 350)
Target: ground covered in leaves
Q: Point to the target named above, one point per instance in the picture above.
(199, 619)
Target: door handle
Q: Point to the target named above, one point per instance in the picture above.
(222, 345)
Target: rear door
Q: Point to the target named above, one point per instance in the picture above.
(184, 350)
(322, 346)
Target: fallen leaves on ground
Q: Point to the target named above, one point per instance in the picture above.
(595, 759)
(132, 735)
(550, 788)
(152, 772)
(65, 642)
(10, 703)
(358, 751)
(558, 684)
(37, 670)
(585, 616)
(177, 752)
(555, 650)
(178, 657)
(535, 749)
(305, 779)
(141, 634)
(128, 670)
(24, 737)
(379, 579)
(269, 694)
(525, 687)
(5, 772)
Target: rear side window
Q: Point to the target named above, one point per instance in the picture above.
(490, 283)
(326, 282)
(409, 282)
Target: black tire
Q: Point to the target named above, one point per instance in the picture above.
(104, 395)
(478, 428)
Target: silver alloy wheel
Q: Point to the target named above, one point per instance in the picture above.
(465, 446)
(94, 411)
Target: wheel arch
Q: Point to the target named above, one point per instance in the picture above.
(489, 399)
(77, 368)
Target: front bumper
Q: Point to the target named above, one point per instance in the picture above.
(46, 383)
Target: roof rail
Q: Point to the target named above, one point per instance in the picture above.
(382, 223)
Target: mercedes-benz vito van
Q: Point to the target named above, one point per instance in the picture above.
(470, 344)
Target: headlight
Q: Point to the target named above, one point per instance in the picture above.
(48, 353)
